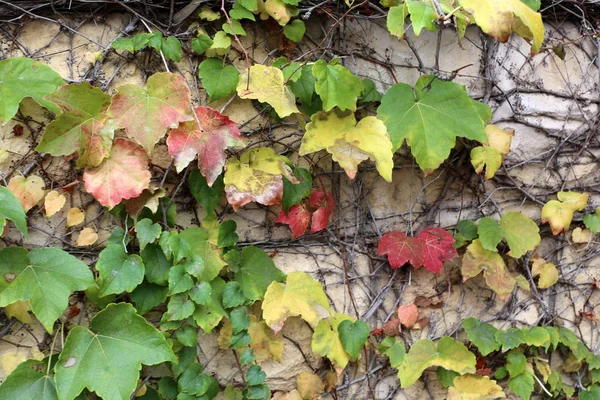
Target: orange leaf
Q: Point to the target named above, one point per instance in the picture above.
(408, 315)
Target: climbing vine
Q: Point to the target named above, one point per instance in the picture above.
(201, 280)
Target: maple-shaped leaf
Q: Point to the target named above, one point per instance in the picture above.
(395, 20)
(147, 113)
(350, 143)
(324, 204)
(123, 175)
(46, 277)
(472, 386)
(266, 84)
(477, 260)
(430, 117)
(22, 77)
(107, 357)
(300, 296)
(336, 85)
(83, 127)
(256, 176)
(520, 232)
(430, 249)
(559, 213)
(297, 219)
(424, 353)
(208, 141)
(500, 18)
(326, 341)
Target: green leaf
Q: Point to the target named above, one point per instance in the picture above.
(240, 340)
(240, 12)
(353, 336)
(221, 45)
(194, 382)
(510, 339)
(208, 317)
(237, 28)
(467, 228)
(251, 5)
(516, 364)
(123, 43)
(140, 41)
(536, 336)
(592, 393)
(396, 352)
(240, 320)
(304, 86)
(481, 335)
(218, 79)
(120, 272)
(369, 93)
(326, 341)
(490, 233)
(446, 377)
(336, 85)
(255, 376)
(257, 272)
(521, 379)
(46, 277)
(227, 235)
(157, 266)
(521, 233)
(198, 241)
(591, 221)
(201, 293)
(422, 15)
(28, 382)
(424, 353)
(201, 43)
(533, 4)
(395, 20)
(10, 208)
(171, 48)
(156, 40)
(187, 357)
(247, 357)
(23, 77)
(295, 193)
(295, 30)
(430, 117)
(179, 280)
(107, 357)
(207, 196)
(167, 388)
(147, 232)
(180, 307)
(147, 296)
(233, 295)
(259, 392)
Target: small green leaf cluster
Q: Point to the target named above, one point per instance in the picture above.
(169, 46)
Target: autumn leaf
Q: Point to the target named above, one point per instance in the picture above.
(310, 385)
(297, 219)
(29, 191)
(256, 176)
(54, 202)
(75, 217)
(500, 18)
(300, 296)
(336, 85)
(324, 204)
(266, 84)
(87, 237)
(83, 127)
(424, 353)
(265, 344)
(559, 213)
(477, 260)
(581, 235)
(547, 272)
(350, 143)
(147, 113)
(209, 140)
(430, 249)
(430, 117)
(326, 341)
(123, 175)
(408, 315)
(473, 387)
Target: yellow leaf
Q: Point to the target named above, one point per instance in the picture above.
(547, 272)
(36, 354)
(4, 155)
(309, 385)
(326, 341)
(488, 157)
(266, 85)
(142, 390)
(10, 361)
(207, 14)
(29, 191)
(500, 18)
(300, 296)
(264, 343)
(475, 387)
(54, 202)
(499, 139)
(276, 9)
(87, 237)
(256, 176)
(497, 277)
(20, 310)
(581, 235)
(348, 142)
(559, 213)
(221, 45)
(577, 201)
(74, 217)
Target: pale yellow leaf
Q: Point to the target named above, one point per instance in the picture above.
(54, 202)
(87, 237)
(20, 310)
(74, 217)
(10, 361)
(475, 387)
(581, 235)
(309, 385)
(499, 139)
(29, 191)
(4, 155)
(547, 272)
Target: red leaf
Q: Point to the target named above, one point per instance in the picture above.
(297, 219)
(437, 248)
(392, 327)
(401, 249)
(123, 175)
(209, 142)
(408, 315)
(324, 203)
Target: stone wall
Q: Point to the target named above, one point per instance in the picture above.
(551, 103)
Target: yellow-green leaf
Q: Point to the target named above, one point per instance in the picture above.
(547, 272)
(350, 143)
(500, 18)
(559, 213)
(475, 387)
(300, 296)
(326, 341)
(488, 157)
(266, 85)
